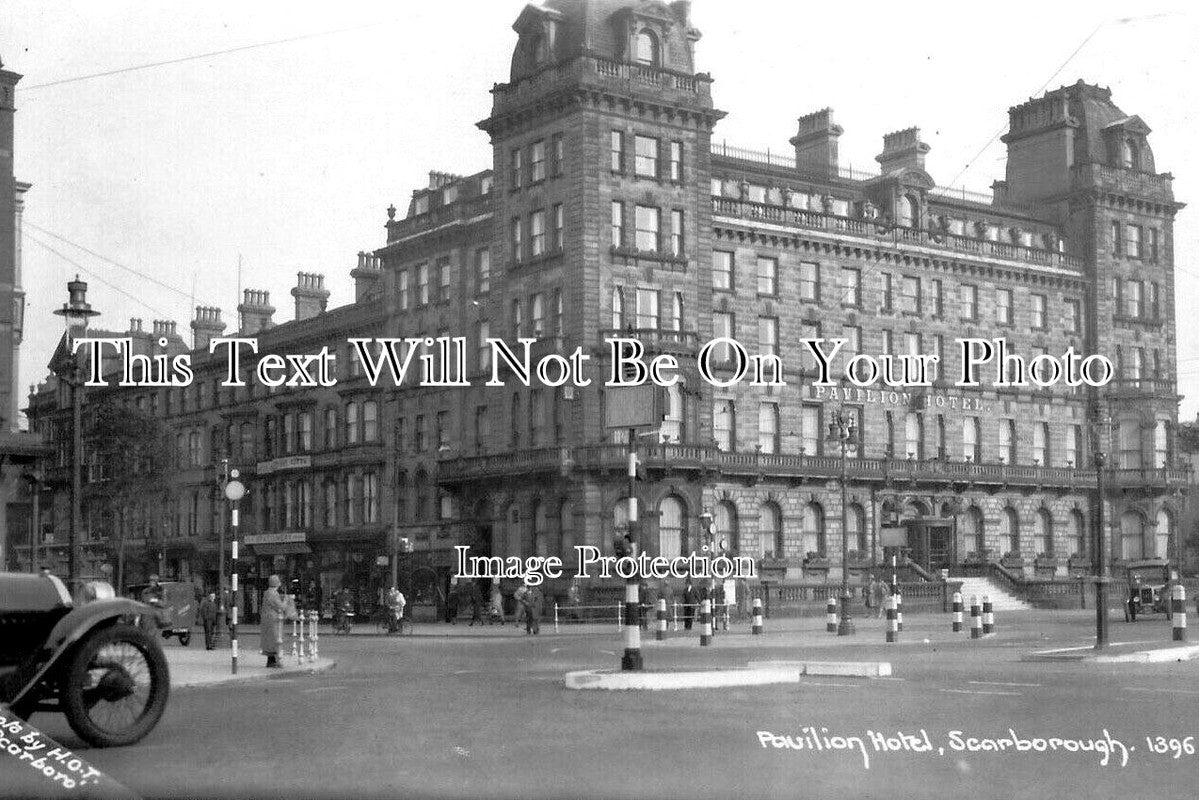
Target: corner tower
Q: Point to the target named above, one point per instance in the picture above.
(601, 156)
(1076, 156)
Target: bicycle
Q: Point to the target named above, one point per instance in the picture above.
(343, 623)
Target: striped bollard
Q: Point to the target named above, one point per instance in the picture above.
(988, 615)
(976, 619)
(705, 623)
(957, 612)
(294, 641)
(1178, 610)
(660, 634)
(314, 620)
(898, 611)
(756, 629)
(892, 620)
(830, 617)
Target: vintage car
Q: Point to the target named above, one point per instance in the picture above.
(1148, 588)
(88, 658)
(175, 607)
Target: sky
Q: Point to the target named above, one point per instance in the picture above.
(285, 152)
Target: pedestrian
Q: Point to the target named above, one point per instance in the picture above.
(395, 606)
(452, 602)
(496, 612)
(690, 597)
(152, 594)
(880, 597)
(520, 596)
(476, 603)
(271, 628)
(208, 616)
(533, 603)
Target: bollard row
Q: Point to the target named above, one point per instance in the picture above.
(1178, 610)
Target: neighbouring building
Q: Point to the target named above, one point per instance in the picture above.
(609, 211)
(19, 449)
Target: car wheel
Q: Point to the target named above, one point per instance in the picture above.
(185, 639)
(115, 686)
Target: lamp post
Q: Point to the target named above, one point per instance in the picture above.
(843, 431)
(76, 313)
(1102, 576)
(35, 488)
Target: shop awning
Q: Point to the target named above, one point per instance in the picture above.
(284, 549)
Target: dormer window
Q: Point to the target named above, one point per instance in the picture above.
(906, 213)
(647, 48)
(1130, 155)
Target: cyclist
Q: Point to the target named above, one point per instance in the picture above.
(345, 611)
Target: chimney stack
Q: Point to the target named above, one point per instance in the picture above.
(311, 295)
(902, 150)
(816, 143)
(206, 326)
(368, 273)
(256, 312)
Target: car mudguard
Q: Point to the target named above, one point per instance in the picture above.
(69, 630)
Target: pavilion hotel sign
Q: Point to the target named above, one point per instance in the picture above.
(918, 400)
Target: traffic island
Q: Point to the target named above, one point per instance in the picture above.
(1118, 653)
(197, 667)
(680, 679)
(831, 669)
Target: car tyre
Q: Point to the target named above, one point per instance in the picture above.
(185, 639)
(77, 677)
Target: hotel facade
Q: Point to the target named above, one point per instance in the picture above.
(610, 211)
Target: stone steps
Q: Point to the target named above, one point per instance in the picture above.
(1001, 598)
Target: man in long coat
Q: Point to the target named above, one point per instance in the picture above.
(272, 622)
(208, 615)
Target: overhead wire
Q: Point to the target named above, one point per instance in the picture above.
(91, 274)
(133, 271)
(195, 57)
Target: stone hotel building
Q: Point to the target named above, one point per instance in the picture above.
(609, 210)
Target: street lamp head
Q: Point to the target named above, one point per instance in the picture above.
(77, 312)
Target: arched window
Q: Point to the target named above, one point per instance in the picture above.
(770, 531)
(813, 529)
(1164, 534)
(974, 540)
(514, 534)
(1042, 541)
(1132, 536)
(672, 421)
(1077, 539)
(1009, 531)
(671, 514)
(855, 528)
(420, 492)
(351, 422)
(647, 48)
(907, 213)
(726, 526)
(540, 530)
(617, 307)
(538, 315)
